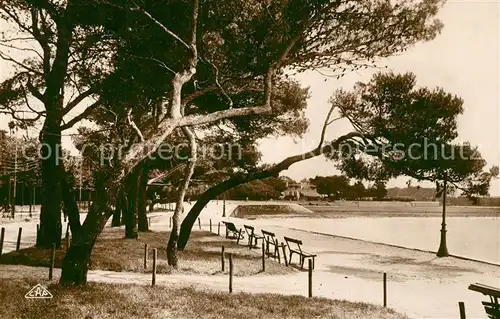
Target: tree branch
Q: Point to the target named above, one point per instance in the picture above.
(134, 126)
(72, 104)
(161, 25)
(166, 174)
(81, 116)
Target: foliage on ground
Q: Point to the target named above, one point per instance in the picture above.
(131, 301)
(115, 253)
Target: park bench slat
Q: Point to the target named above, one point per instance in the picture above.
(491, 309)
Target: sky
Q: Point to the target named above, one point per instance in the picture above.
(463, 60)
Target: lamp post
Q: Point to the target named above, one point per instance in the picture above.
(443, 249)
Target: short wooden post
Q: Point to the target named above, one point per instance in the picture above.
(222, 259)
(149, 221)
(52, 261)
(239, 236)
(170, 222)
(277, 249)
(145, 256)
(284, 253)
(153, 282)
(230, 273)
(37, 232)
(461, 307)
(218, 229)
(18, 244)
(310, 276)
(2, 236)
(385, 289)
(199, 222)
(210, 224)
(263, 257)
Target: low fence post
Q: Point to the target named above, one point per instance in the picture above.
(230, 273)
(170, 222)
(239, 236)
(37, 232)
(52, 261)
(153, 280)
(199, 223)
(18, 244)
(218, 229)
(222, 259)
(385, 289)
(2, 236)
(310, 276)
(461, 307)
(277, 250)
(210, 224)
(263, 258)
(284, 253)
(145, 256)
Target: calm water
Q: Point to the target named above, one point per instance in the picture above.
(473, 237)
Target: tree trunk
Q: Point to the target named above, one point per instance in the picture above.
(50, 214)
(130, 206)
(141, 200)
(77, 259)
(179, 207)
(117, 214)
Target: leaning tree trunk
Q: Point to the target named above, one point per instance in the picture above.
(214, 191)
(50, 214)
(179, 207)
(141, 200)
(203, 200)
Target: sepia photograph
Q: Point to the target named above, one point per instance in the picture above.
(164, 159)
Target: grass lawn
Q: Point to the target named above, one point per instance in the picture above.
(131, 301)
(202, 255)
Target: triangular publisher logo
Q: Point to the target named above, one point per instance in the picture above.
(38, 292)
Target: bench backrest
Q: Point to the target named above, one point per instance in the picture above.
(295, 242)
(485, 290)
(269, 237)
(230, 226)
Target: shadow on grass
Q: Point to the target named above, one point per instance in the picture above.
(128, 301)
(113, 252)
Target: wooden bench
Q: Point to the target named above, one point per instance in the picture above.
(232, 232)
(250, 230)
(492, 308)
(294, 247)
(271, 240)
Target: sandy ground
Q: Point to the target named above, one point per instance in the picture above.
(419, 284)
